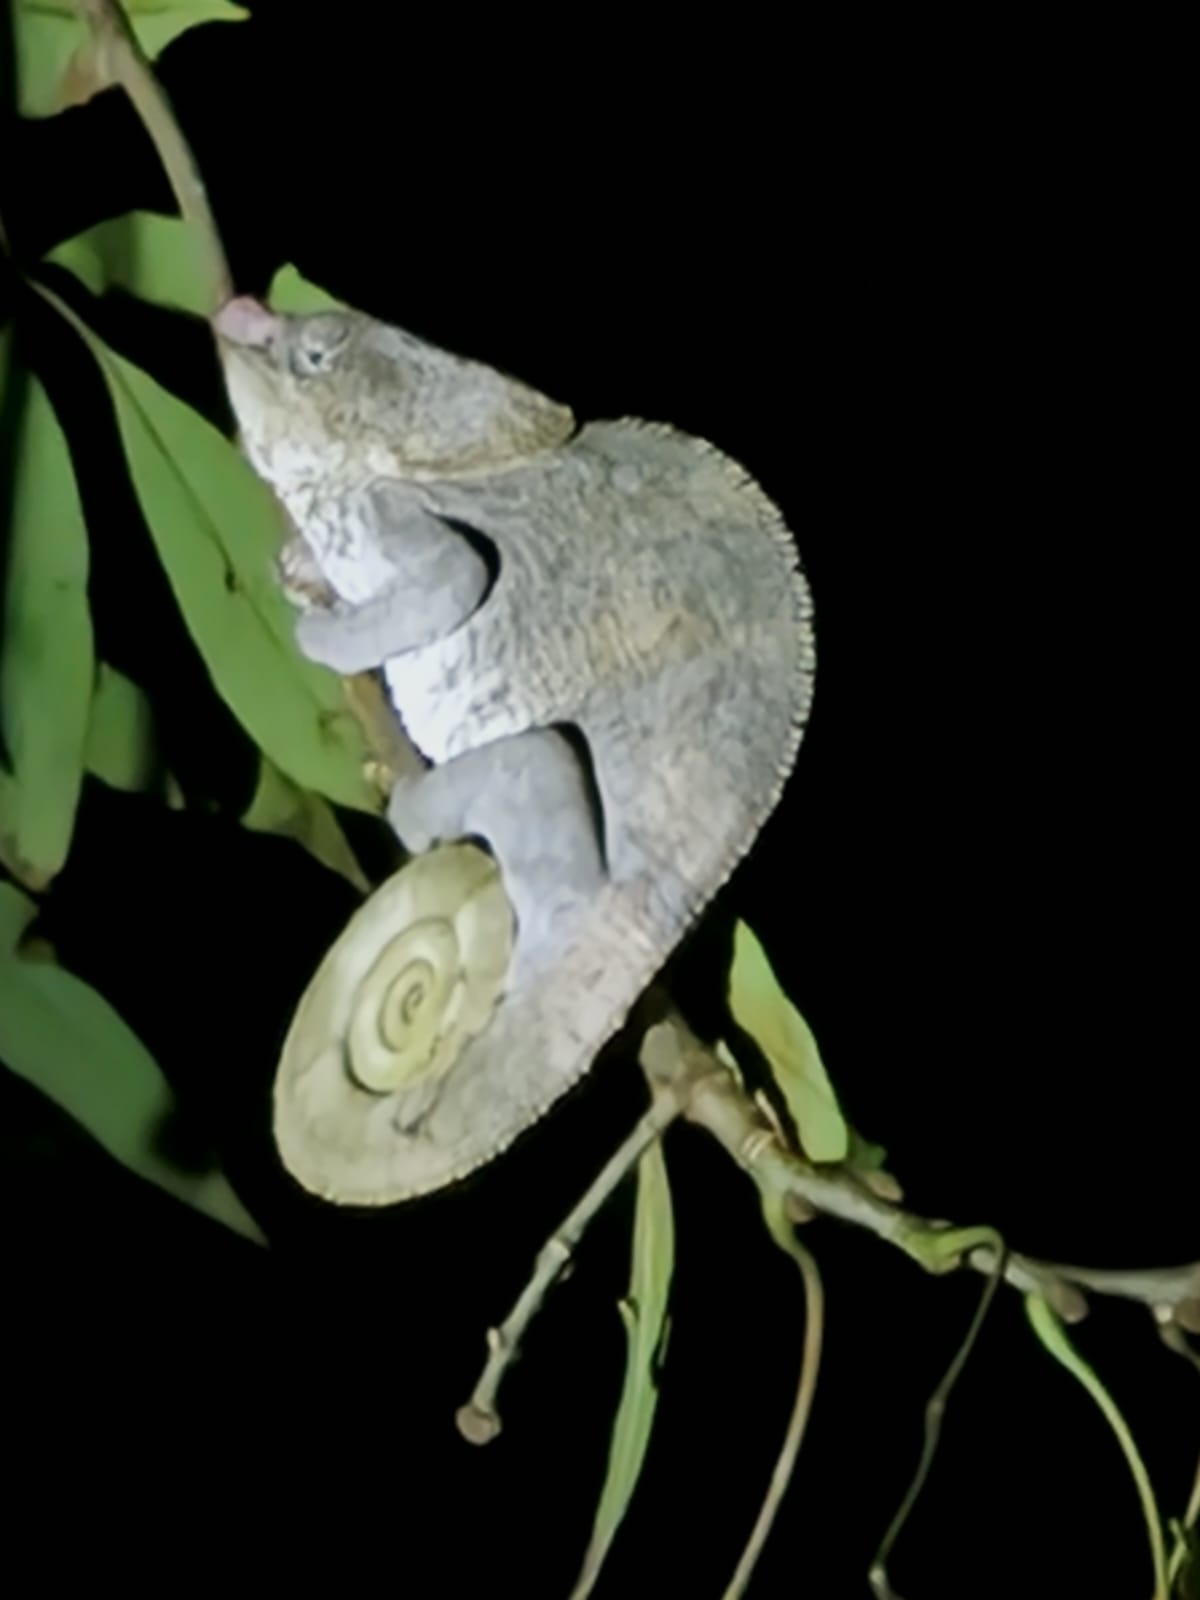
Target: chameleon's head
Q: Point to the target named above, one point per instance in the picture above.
(339, 395)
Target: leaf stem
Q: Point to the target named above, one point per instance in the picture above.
(806, 1389)
(1049, 1329)
(122, 61)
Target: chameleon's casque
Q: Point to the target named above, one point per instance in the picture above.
(600, 639)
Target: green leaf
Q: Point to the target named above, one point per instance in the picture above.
(217, 529)
(143, 254)
(291, 293)
(66, 1040)
(1053, 1336)
(56, 60)
(17, 911)
(761, 1008)
(46, 661)
(865, 1156)
(121, 745)
(278, 806)
(158, 22)
(645, 1317)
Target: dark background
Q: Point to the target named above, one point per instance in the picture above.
(936, 304)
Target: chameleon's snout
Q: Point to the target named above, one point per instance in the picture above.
(245, 321)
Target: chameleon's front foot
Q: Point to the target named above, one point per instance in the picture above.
(329, 636)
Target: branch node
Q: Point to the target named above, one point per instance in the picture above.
(754, 1144)
(556, 1252)
(881, 1184)
(797, 1209)
(1068, 1302)
(661, 1055)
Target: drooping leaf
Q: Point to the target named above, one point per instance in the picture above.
(645, 1317)
(66, 1040)
(217, 530)
(763, 1010)
(143, 254)
(1053, 1335)
(46, 661)
(278, 806)
(291, 292)
(121, 745)
(57, 64)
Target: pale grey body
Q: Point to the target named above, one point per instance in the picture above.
(513, 577)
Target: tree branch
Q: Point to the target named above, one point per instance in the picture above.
(687, 1079)
(393, 753)
(713, 1101)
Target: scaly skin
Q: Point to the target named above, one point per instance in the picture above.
(600, 639)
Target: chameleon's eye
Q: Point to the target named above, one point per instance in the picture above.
(317, 349)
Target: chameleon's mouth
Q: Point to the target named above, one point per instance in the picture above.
(247, 340)
(245, 321)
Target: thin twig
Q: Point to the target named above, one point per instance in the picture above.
(394, 755)
(123, 62)
(479, 1420)
(810, 1363)
(935, 1412)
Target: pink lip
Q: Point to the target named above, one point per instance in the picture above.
(245, 321)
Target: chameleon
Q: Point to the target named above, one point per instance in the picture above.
(599, 637)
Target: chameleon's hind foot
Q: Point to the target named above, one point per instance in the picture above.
(528, 798)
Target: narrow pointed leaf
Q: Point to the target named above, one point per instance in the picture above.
(279, 807)
(46, 660)
(66, 1040)
(157, 23)
(143, 254)
(291, 292)
(17, 911)
(121, 745)
(763, 1010)
(217, 529)
(645, 1317)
